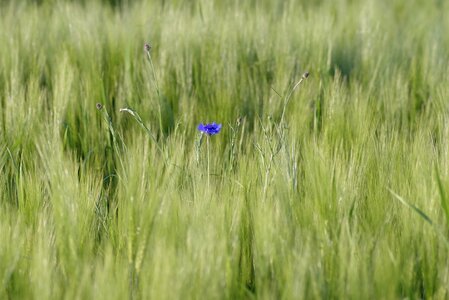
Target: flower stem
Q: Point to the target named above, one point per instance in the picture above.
(208, 163)
(287, 99)
(156, 85)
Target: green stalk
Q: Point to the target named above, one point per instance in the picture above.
(145, 127)
(208, 163)
(156, 85)
(287, 99)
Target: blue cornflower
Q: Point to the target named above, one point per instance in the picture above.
(210, 129)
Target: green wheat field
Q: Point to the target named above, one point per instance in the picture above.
(329, 178)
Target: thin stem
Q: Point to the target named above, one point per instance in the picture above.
(154, 74)
(287, 99)
(198, 147)
(145, 127)
(208, 163)
(156, 85)
(281, 126)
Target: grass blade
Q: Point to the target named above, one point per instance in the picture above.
(413, 207)
(443, 198)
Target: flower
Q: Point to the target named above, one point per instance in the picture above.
(210, 129)
(147, 47)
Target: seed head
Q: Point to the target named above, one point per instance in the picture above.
(239, 121)
(99, 106)
(305, 75)
(147, 47)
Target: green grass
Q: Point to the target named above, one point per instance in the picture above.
(343, 197)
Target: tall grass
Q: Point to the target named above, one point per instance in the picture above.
(301, 198)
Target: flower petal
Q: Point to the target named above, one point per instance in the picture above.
(210, 129)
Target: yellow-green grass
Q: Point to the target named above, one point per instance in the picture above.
(343, 196)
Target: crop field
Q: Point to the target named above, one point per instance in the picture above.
(328, 178)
